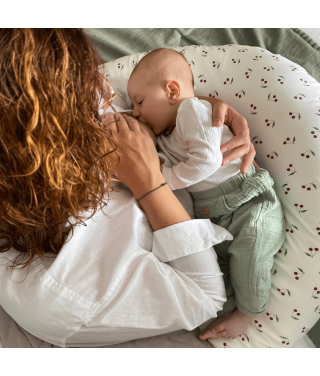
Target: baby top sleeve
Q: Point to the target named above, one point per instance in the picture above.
(194, 145)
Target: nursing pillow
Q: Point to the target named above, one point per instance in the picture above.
(281, 103)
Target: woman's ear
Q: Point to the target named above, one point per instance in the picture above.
(173, 91)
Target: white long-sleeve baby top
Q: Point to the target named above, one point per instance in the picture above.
(194, 149)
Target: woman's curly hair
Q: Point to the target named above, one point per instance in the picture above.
(55, 152)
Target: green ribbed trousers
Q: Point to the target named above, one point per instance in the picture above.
(248, 207)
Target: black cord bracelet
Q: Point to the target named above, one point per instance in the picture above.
(162, 185)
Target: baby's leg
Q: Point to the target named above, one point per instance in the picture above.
(259, 232)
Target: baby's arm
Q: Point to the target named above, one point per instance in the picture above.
(201, 142)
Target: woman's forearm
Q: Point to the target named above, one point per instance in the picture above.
(163, 209)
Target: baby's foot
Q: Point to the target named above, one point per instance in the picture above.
(230, 325)
(210, 332)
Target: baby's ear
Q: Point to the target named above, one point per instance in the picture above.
(173, 89)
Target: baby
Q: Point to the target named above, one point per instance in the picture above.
(161, 89)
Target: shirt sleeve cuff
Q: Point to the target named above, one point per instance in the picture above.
(186, 238)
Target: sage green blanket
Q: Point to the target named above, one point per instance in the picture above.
(293, 44)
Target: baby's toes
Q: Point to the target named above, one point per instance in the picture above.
(210, 334)
(221, 334)
(218, 328)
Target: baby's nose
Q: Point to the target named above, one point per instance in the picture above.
(136, 113)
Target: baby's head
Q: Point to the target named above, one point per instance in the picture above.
(157, 86)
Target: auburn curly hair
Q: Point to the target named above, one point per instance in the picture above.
(55, 152)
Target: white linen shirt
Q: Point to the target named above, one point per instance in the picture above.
(194, 149)
(110, 282)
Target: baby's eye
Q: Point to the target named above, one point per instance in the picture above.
(140, 102)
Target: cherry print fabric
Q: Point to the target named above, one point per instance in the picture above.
(281, 103)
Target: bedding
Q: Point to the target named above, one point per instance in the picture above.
(281, 102)
(295, 45)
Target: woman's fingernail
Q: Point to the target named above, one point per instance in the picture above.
(216, 121)
(224, 150)
(225, 162)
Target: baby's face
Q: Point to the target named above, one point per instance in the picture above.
(151, 103)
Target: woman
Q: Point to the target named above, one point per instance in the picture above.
(83, 262)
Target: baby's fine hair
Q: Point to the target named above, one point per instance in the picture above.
(162, 59)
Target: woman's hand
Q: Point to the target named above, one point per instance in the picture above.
(240, 144)
(256, 164)
(139, 170)
(139, 161)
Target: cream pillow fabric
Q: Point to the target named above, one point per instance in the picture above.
(281, 103)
